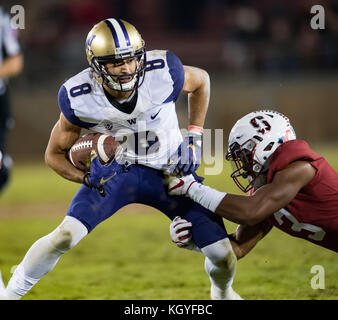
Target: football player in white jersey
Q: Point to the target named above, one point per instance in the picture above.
(130, 94)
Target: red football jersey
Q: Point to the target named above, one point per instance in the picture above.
(313, 213)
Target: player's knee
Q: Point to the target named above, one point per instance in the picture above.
(220, 253)
(68, 234)
(62, 240)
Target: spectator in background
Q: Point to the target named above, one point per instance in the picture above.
(11, 64)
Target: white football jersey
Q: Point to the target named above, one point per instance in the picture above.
(150, 133)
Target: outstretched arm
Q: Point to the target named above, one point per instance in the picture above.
(269, 198)
(253, 209)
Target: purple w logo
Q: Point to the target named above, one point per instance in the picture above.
(132, 121)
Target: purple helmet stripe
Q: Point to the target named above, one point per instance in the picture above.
(111, 27)
(124, 31)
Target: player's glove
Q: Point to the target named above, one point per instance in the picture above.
(99, 174)
(180, 232)
(180, 186)
(187, 157)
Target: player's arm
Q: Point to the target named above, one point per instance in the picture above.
(244, 239)
(269, 198)
(248, 209)
(11, 66)
(197, 85)
(187, 158)
(62, 137)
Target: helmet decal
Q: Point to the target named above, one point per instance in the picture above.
(260, 129)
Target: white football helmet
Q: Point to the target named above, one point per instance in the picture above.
(112, 41)
(252, 141)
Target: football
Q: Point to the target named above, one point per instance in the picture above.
(104, 145)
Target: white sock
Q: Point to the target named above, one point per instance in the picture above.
(43, 256)
(220, 265)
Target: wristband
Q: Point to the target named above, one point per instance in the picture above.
(207, 197)
(195, 130)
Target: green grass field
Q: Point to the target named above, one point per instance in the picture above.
(130, 256)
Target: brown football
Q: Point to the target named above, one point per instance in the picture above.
(104, 145)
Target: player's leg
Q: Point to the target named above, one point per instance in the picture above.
(43, 256)
(210, 236)
(220, 265)
(87, 210)
(208, 231)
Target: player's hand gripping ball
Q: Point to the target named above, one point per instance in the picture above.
(100, 174)
(104, 145)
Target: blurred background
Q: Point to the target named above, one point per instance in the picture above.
(259, 54)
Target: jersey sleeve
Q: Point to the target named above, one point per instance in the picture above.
(68, 111)
(176, 72)
(288, 152)
(164, 76)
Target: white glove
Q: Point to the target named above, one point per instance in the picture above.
(180, 186)
(180, 232)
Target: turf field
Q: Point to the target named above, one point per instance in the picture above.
(130, 256)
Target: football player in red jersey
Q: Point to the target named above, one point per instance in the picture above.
(290, 186)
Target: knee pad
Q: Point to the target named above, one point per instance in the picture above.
(67, 234)
(220, 253)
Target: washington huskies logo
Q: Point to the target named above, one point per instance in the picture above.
(132, 121)
(260, 124)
